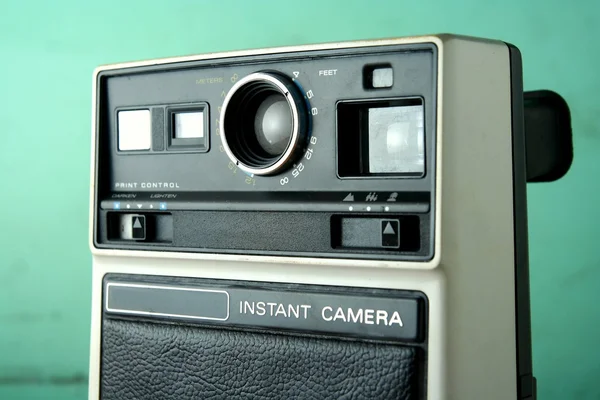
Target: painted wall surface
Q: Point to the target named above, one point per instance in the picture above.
(48, 51)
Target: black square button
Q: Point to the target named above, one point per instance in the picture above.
(138, 227)
(390, 233)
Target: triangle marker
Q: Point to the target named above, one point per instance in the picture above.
(389, 230)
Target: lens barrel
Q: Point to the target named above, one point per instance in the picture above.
(264, 123)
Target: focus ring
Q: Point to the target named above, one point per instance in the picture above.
(254, 115)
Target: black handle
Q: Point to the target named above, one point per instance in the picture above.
(548, 135)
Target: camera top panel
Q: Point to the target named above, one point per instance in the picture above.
(353, 119)
(345, 130)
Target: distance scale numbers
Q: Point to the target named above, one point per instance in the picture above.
(299, 167)
(232, 167)
(314, 111)
(250, 178)
(296, 171)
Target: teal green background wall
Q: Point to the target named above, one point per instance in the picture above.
(48, 51)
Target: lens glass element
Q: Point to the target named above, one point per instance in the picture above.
(273, 124)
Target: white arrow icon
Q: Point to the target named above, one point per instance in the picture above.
(137, 224)
(350, 197)
(296, 73)
(389, 230)
(139, 206)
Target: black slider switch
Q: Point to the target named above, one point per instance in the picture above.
(143, 227)
(390, 233)
(370, 233)
(138, 227)
(128, 226)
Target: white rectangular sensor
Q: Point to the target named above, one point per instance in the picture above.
(135, 131)
(383, 78)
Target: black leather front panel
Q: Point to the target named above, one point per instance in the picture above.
(143, 360)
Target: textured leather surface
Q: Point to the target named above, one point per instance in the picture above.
(154, 361)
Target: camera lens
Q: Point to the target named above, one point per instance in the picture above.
(264, 123)
(273, 124)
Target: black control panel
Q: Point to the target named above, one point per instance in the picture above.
(321, 153)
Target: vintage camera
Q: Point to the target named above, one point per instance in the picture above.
(327, 221)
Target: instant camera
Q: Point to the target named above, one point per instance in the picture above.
(329, 221)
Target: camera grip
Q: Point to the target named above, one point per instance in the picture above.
(144, 360)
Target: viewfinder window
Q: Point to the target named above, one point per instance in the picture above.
(381, 138)
(188, 128)
(189, 125)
